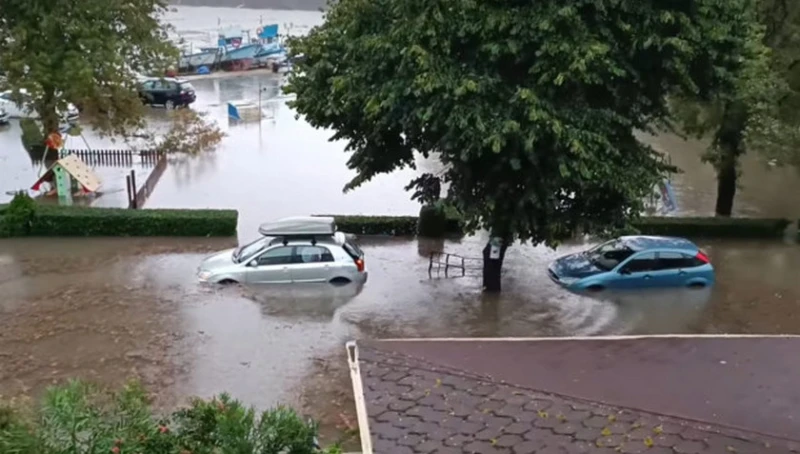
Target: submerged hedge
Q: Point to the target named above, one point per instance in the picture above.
(697, 227)
(82, 221)
(715, 227)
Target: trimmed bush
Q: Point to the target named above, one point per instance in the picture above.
(24, 217)
(17, 218)
(377, 225)
(713, 227)
(82, 418)
(432, 221)
(695, 227)
(80, 221)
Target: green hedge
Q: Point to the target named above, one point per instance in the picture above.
(388, 225)
(713, 227)
(696, 227)
(81, 221)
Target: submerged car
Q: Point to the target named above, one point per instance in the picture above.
(166, 91)
(15, 109)
(4, 117)
(635, 262)
(292, 250)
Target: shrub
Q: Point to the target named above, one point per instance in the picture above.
(18, 217)
(696, 227)
(377, 225)
(714, 227)
(432, 221)
(23, 217)
(32, 135)
(82, 221)
(81, 418)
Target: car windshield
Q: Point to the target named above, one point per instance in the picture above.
(608, 255)
(244, 252)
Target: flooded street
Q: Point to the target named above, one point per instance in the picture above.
(110, 309)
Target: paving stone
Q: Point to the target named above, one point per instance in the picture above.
(417, 410)
(597, 422)
(428, 446)
(566, 428)
(689, 447)
(527, 447)
(587, 434)
(482, 447)
(517, 428)
(508, 441)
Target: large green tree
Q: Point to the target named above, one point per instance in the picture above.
(85, 52)
(530, 106)
(761, 111)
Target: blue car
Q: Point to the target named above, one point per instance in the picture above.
(635, 262)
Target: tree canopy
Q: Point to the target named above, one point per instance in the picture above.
(86, 52)
(530, 106)
(761, 111)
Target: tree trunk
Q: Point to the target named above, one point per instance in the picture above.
(493, 266)
(726, 183)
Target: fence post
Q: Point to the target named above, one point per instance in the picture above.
(130, 192)
(133, 187)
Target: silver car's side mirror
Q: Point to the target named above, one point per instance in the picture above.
(253, 263)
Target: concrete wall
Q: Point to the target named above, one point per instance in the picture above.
(307, 5)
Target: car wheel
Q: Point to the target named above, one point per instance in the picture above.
(595, 288)
(696, 285)
(340, 281)
(169, 104)
(228, 282)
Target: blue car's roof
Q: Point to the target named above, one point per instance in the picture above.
(641, 243)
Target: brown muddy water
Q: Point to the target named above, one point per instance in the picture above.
(111, 309)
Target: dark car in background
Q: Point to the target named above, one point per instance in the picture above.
(166, 91)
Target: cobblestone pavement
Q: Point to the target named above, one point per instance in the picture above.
(415, 406)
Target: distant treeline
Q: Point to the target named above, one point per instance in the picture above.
(306, 5)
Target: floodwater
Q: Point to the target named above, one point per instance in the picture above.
(110, 309)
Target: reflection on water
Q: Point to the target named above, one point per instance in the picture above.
(315, 302)
(107, 309)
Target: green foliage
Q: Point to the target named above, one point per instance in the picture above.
(695, 227)
(82, 221)
(531, 107)
(18, 218)
(32, 136)
(432, 221)
(712, 227)
(60, 53)
(78, 418)
(377, 225)
(761, 111)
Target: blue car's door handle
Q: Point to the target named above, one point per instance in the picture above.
(647, 276)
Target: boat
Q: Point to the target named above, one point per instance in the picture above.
(272, 50)
(206, 56)
(236, 52)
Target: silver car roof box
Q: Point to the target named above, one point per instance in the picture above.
(300, 226)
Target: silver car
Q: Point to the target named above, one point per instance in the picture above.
(292, 250)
